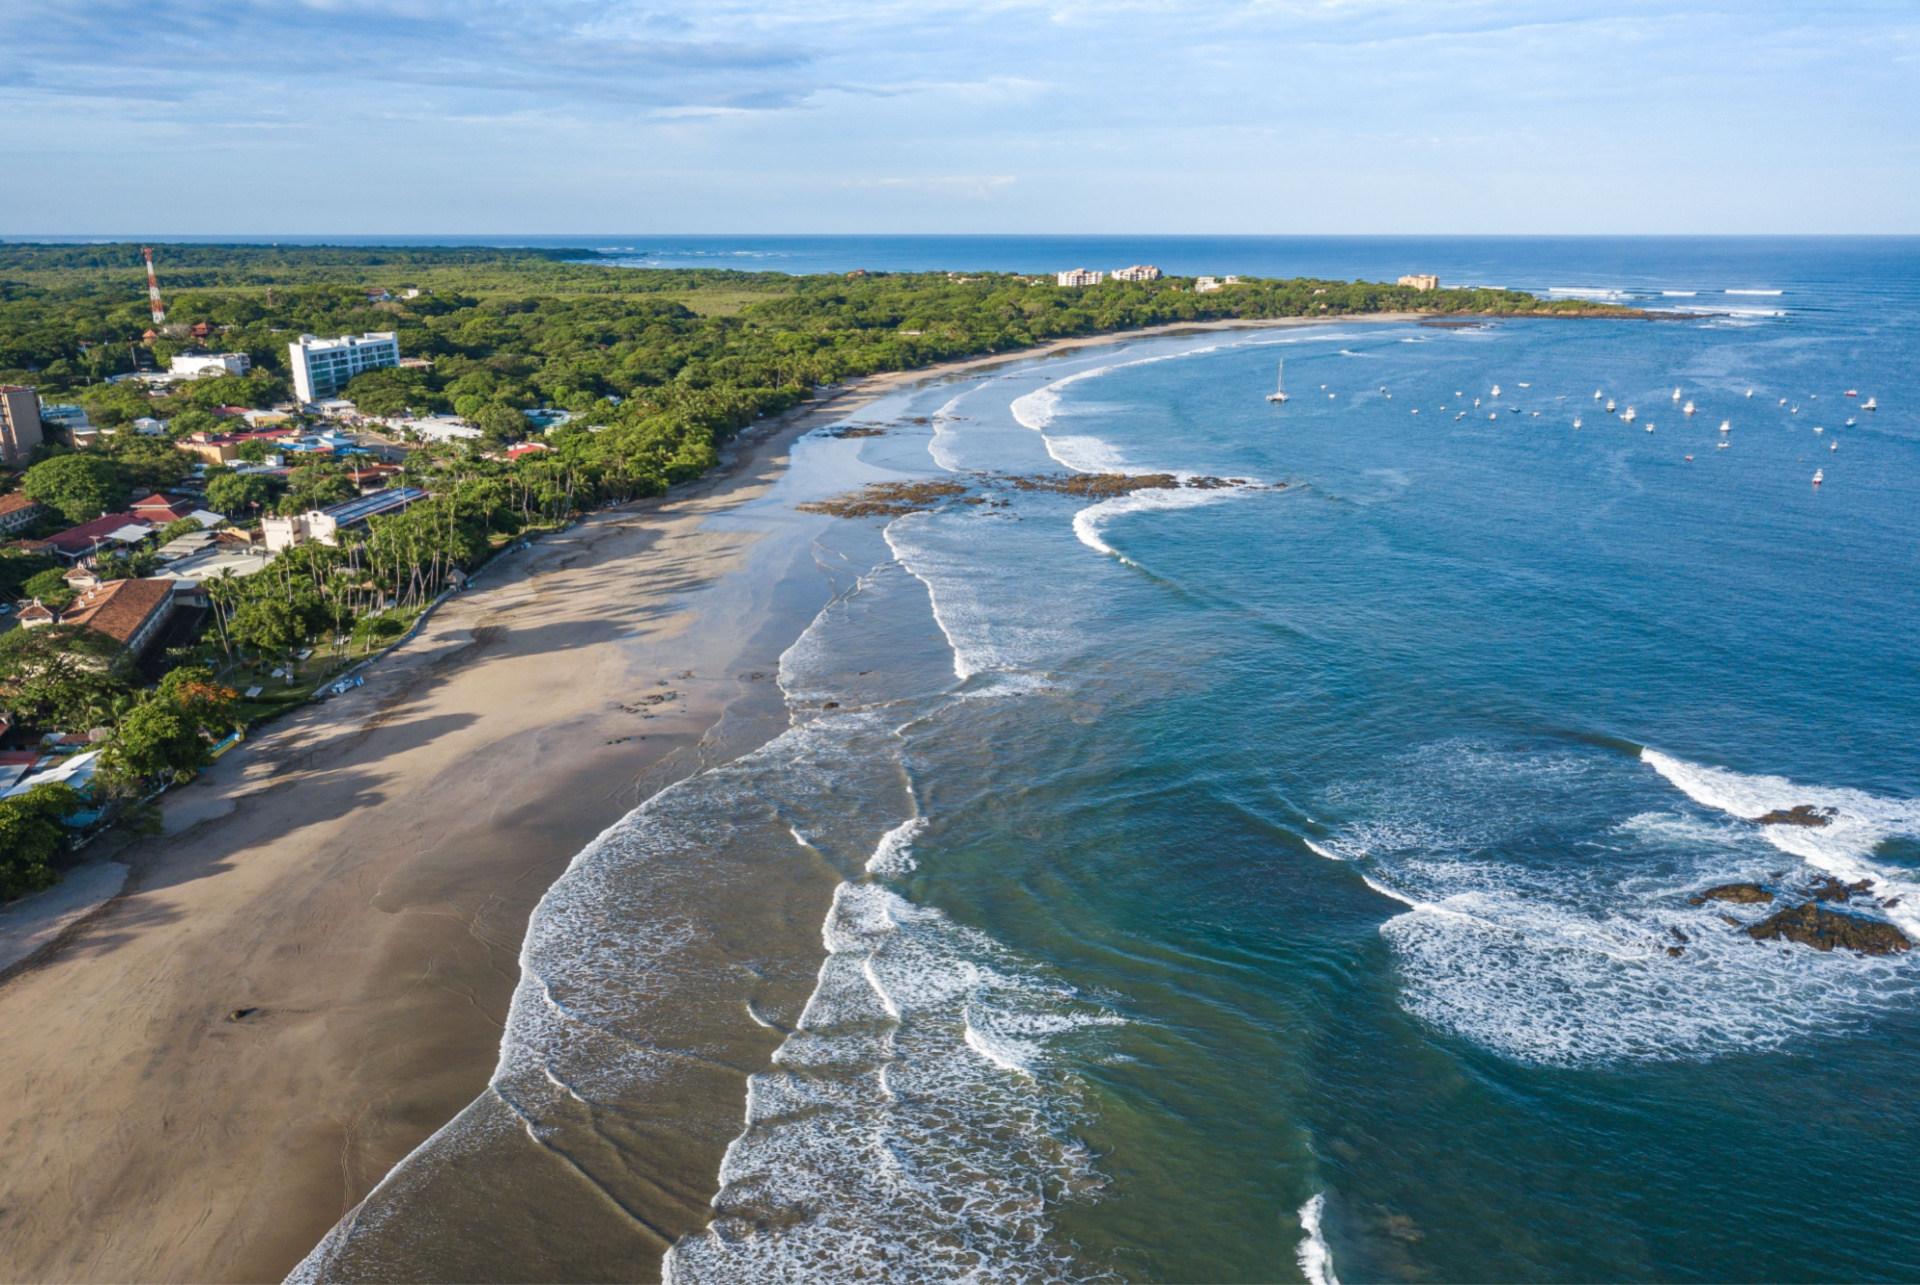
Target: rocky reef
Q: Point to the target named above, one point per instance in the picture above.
(1812, 924)
(1737, 892)
(1798, 814)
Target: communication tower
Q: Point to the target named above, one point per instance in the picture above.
(153, 288)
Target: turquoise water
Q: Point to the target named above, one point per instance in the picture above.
(1267, 882)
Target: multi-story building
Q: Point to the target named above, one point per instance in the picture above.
(1205, 285)
(322, 367)
(208, 365)
(1138, 272)
(1421, 281)
(19, 424)
(1080, 277)
(17, 510)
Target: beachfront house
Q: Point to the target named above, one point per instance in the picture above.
(325, 525)
(1421, 281)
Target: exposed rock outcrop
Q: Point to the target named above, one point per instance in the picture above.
(1798, 814)
(1739, 892)
(1814, 925)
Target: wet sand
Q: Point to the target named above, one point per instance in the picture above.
(354, 884)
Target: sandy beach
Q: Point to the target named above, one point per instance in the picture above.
(306, 975)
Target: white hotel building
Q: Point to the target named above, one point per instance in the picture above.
(322, 367)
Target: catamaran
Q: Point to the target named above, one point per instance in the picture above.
(1279, 394)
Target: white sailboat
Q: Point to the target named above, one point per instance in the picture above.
(1749, 392)
(1688, 408)
(1723, 446)
(1279, 394)
(1628, 417)
(1576, 421)
(1819, 476)
(1726, 425)
(1817, 430)
(1596, 394)
(1496, 390)
(1872, 403)
(1676, 394)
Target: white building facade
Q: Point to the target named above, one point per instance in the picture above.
(1138, 272)
(1080, 277)
(322, 367)
(205, 365)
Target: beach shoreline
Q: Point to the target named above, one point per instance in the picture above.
(305, 976)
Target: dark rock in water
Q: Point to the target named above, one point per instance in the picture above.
(1814, 925)
(1676, 951)
(1677, 933)
(1827, 888)
(1740, 892)
(1798, 814)
(1730, 919)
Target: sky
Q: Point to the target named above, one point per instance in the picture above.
(497, 117)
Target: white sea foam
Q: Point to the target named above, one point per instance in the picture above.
(1557, 952)
(1843, 848)
(941, 447)
(894, 855)
(1087, 523)
(1756, 292)
(1679, 294)
(1316, 1260)
(917, 1126)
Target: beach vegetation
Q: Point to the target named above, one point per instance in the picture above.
(31, 837)
(61, 676)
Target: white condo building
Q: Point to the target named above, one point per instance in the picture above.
(1080, 277)
(1138, 272)
(322, 367)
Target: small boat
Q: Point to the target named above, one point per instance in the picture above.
(1723, 446)
(1783, 401)
(1609, 405)
(1794, 411)
(1871, 404)
(1649, 428)
(1476, 401)
(1279, 394)
(1817, 429)
(1689, 459)
(1726, 426)
(1496, 390)
(1676, 394)
(1852, 422)
(1833, 446)
(1457, 418)
(1576, 421)
(1494, 415)
(1819, 476)
(1749, 392)
(1850, 393)
(1596, 394)
(1628, 417)
(1687, 409)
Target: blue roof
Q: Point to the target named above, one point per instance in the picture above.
(368, 506)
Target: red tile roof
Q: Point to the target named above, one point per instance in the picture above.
(80, 539)
(119, 608)
(11, 504)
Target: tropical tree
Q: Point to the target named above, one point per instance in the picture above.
(63, 676)
(80, 486)
(31, 836)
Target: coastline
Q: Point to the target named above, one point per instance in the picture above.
(356, 882)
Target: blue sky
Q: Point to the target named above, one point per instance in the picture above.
(580, 116)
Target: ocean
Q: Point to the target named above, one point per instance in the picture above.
(1294, 878)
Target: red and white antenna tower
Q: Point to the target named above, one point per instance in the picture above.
(153, 288)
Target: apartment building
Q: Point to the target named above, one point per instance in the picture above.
(1080, 277)
(19, 424)
(322, 367)
(1421, 281)
(1138, 272)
